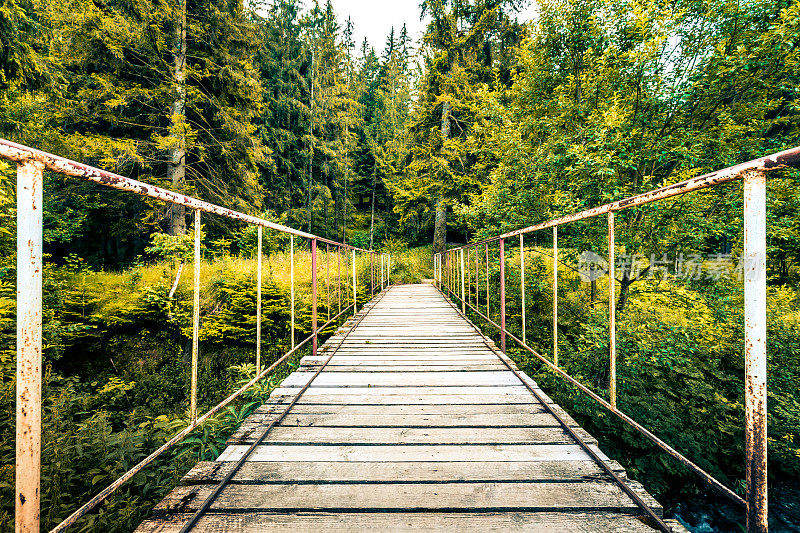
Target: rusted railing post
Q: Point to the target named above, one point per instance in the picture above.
(555, 295)
(463, 301)
(477, 284)
(355, 295)
(258, 305)
(314, 296)
(522, 282)
(755, 341)
(29, 346)
(195, 318)
(612, 319)
(291, 283)
(486, 249)
(328, 277)
(503, 295)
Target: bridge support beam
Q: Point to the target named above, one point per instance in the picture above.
(755, 340)
(29, 346)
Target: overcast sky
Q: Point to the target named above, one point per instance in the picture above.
(374, 19)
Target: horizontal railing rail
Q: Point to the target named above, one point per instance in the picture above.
(31, 164)
(451, 276)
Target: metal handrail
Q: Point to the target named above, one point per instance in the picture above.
(450, 273)
(31, 164)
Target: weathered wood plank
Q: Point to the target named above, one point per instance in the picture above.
(409, 435)
(414, 453)
(406, 391)
(403, 379)
(300, 471)
(406, 399)
(539, 419)
(314, 522)
(491, 496)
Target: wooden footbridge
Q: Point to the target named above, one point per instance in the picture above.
(407, 419)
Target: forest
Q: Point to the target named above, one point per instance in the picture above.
(485, 124)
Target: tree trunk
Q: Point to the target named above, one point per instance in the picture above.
(440, 223)
(624, 290)
(176, 155)
(372, 215)
(440, 227)
(344, 217)
(310, 145)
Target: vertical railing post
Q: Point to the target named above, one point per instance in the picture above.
(755, 340)
(291, 283)
(258, 304)
(371, 273)
(328, 277)
(477, 284)
(555, 295)
(463, 301)
(503, 295)
(29, 346)
(522, 282)
(339, 276)
(195, 318)
(389, 269)
(467, 275)
(355, 295)
(486, 249)
(612, 320)
(381, 271)
(314, 296)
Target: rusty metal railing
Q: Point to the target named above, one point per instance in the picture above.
(31, 164)
(450, 276)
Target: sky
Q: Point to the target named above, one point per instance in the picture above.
(374, 19)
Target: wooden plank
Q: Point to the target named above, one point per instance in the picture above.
(405, 391)
(402, 368)
(427, 409)
(323, 472)
(414, 453)
(409, 435)
(470, 419)
(406, 399)
(314, 522)
(403, 379)
(490, 496)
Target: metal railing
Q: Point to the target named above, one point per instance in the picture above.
(31, 164)
(451, 273)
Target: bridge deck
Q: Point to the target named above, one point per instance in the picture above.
(415, 423)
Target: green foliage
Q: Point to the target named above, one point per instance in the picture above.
(116, 377)
(179, 248)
